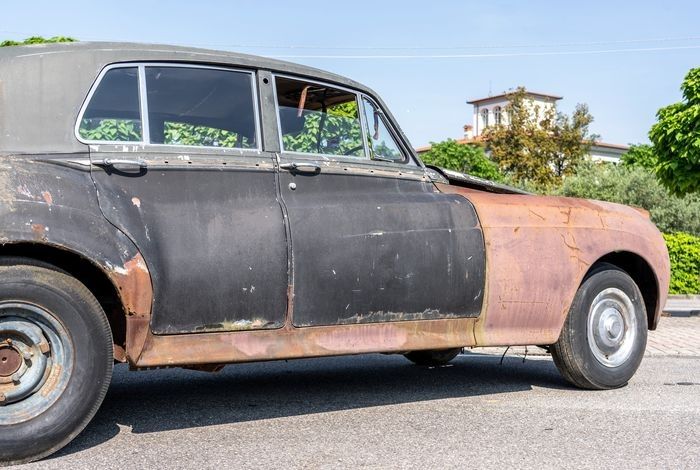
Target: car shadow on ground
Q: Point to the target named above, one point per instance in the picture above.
(162, 400)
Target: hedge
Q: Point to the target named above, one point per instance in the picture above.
(684, 252)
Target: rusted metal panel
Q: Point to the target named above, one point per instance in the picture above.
(538, 250)
(290, 343)
(212, 233)
(51, 200)
(368, 248)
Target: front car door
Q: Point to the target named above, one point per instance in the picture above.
(179, 167)
(372, 240)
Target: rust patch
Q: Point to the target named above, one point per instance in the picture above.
(48, 199)
(134, 284)
(39, 231)
(51, 381)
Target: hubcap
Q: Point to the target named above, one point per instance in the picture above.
(612, 327)
(36, 359)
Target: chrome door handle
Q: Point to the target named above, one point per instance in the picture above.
(113, 162)
(296, 167)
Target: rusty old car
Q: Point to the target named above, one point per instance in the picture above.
(174, 207)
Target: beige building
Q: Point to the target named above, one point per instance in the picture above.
(491, 111)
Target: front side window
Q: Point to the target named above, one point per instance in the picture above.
(382, 145)
(318, 119)
(201, 107)
(113, 114)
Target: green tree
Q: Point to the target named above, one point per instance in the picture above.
(465, 158)
(638, 187)
(640, 155)
(539, 145)
(36, 40)
(676, 139)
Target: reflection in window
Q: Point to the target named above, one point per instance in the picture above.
(201, 107)
(113, 114)
(382, 145)
(318, 119)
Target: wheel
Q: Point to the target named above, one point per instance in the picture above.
(55, 359)
(605, 333)
(433, 357)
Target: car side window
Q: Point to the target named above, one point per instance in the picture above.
(201, 107)
(318, 119)
(382, 145)
(113, 114)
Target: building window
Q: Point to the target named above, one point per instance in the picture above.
(485, 117)
(497, 115)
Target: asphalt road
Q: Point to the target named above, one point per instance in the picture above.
(382, 412)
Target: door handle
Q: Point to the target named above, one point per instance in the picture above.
(118, 162)
(295, 167)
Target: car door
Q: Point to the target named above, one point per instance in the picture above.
(372, 240)
(179, 167)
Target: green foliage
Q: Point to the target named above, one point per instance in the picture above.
(336, 133)
(684, 252)
(539, 145)
(676, 139)
(178, 133)
(36, 40)
(470, 159)
(640, 155)
(113, 130)
(638, 187)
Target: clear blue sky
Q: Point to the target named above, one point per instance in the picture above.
(427, 95)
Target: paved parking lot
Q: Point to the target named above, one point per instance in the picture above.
(380, 411)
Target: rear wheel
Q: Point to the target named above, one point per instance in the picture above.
(55, 360)
(605, 333)
(433, 357)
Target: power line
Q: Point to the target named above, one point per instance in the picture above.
(496, 55)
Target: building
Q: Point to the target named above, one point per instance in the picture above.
(491, 111)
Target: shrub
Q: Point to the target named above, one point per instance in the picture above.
(465, 158)
(684, 252)
(635, 186)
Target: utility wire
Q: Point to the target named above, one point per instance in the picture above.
(494, 55)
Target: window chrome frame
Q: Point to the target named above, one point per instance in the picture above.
(354, 158)
(407, 159)
(143, 107)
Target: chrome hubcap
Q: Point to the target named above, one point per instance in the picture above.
(612, 327)
(36, 359)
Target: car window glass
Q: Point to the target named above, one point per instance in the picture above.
(201, 107)
(113, 114)
(318, 119)
(381, 143)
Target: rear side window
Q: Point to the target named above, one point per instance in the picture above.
(318, 119)
(201, 107)
(113, 114)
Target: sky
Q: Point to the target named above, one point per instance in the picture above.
(624, 59)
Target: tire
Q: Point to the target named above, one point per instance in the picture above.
(604, 336)
(62, 339)
(433, 357)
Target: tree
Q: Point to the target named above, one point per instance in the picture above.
(36, 40)
(676, 139)
(465, 158)
(539, 145)
(640, 155)
(638, 187)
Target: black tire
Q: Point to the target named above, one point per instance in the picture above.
(87, 331)
(580, 354)
(432, 357)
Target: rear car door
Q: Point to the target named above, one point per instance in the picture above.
(179, 167)
(372, 240)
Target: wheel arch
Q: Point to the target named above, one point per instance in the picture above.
(102, 284)
(643, 275)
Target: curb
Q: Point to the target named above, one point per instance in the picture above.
(682, 306)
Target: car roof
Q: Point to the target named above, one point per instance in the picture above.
(55, 78)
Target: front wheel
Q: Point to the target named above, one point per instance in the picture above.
(605, 333)
(55, 360)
